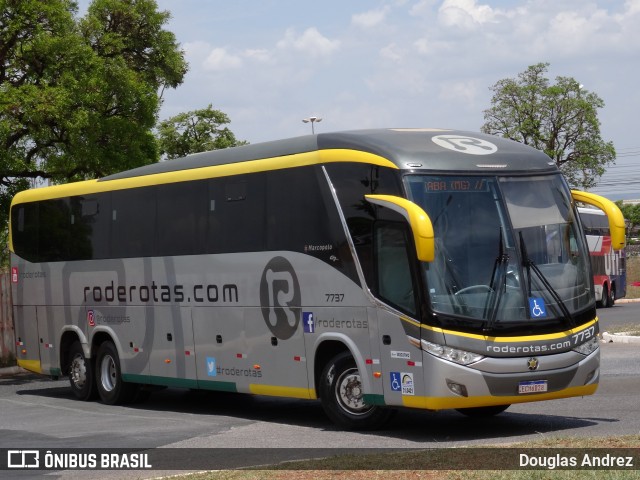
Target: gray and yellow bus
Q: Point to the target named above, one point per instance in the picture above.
(430, 269)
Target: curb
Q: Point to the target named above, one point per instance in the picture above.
(619, 338)
(11, 370)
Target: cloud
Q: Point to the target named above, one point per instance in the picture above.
(196, 51)
(459, 92)
(370, 19)
(311, 42)
(405, 62)
(466, 14)
(392, 52)
(220, 59)
(258, 54)
(423, 7)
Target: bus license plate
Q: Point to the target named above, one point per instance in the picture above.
(535, 386)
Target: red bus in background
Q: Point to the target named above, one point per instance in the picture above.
(608, 265)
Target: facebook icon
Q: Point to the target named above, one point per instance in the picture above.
(308, 322)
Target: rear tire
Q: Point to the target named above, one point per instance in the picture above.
(111, 388)
(483, 412)
(80, 371)
(606, 298)
(612, 295)
(342, 396)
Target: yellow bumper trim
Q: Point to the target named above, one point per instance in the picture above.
(443, 403)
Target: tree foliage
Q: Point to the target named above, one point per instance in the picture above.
(631, 213)
(195, 131)
(560, 119)
(79, 97)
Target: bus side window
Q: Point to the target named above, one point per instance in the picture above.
(55, 235)
(133, 222)
(90, 223)
(352, 181)
(236, 214)
(182, 218)
(24, 226)
(393, 268)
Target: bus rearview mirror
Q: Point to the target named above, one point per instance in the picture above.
(417, 218)
(614, 215)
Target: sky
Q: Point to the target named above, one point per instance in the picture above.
(356, 64)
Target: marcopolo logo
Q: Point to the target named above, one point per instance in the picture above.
(280, 297)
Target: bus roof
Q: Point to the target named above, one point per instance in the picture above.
(417, 150)
(414, 149)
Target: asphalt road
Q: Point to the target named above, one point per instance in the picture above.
(625, 312)
(36, 412)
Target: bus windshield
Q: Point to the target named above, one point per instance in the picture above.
(508, 249)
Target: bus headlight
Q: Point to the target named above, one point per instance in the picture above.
(452, 354)
(588, 347)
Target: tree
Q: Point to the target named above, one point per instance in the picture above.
(79, 97)
(132, 30)
(631, 214)
(560, 119)
(195, 131)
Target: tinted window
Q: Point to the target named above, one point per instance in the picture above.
(90, 223)
(236, 214)
(133, 218)
(55, 236)
(24, 230)
(393, 267)
(594, 224)
(302, 217)
(289, 209)
(352, 182)
(182, 218)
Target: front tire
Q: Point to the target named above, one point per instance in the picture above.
(342, 395)
(81, 376)
(111, 388)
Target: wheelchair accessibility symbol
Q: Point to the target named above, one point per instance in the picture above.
(402, 382)
(537, 307)
(395, 382)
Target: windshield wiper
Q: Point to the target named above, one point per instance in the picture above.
(499, 286)
(530, 265)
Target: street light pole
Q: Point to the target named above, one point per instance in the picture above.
(312, 120)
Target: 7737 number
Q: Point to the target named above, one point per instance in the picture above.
(585, 334)
(334, 297)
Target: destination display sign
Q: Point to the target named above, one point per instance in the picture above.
(454, 185)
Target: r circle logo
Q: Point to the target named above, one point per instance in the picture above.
(463, 144)
(280, 298)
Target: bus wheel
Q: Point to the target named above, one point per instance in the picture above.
(483, 412)
(111, 388)
(606, 297)
(342, 396)
(612, 295)
(80, 373)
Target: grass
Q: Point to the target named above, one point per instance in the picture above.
(393, 465)
(633, 275)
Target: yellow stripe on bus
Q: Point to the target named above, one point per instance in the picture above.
(530, 338)
(444, 403)
(279, 391)
(31, 365)
(225, 170)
